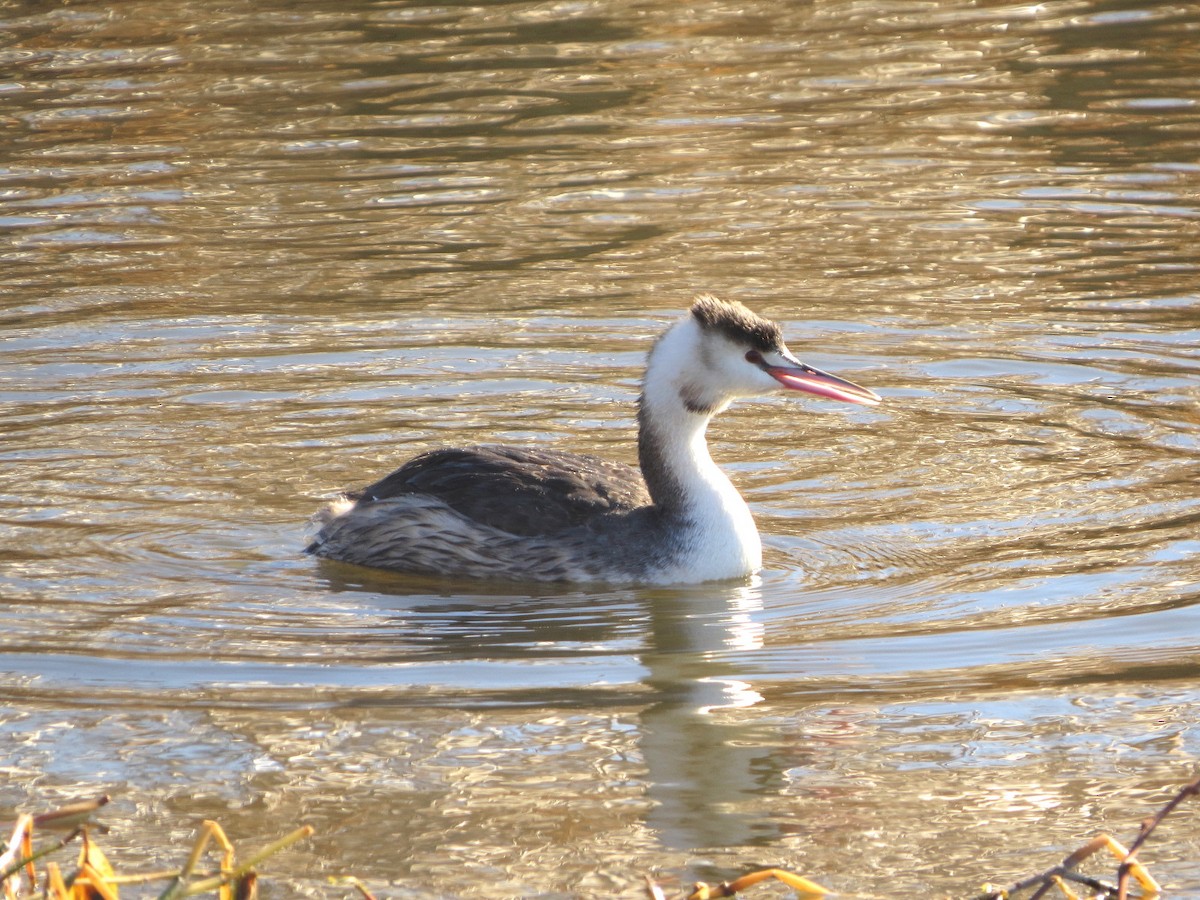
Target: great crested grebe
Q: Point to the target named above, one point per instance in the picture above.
(524, 514)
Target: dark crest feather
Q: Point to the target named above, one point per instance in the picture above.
(737, 323)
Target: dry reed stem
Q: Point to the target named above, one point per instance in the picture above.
(18, 851)
(1129, 866)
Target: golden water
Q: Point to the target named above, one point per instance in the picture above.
(257, 252)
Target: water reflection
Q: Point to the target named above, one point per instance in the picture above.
(701, 775)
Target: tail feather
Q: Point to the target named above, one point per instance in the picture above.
(339, 507)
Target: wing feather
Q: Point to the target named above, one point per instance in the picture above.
(521, 491)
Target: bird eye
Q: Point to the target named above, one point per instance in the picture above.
(753, 356)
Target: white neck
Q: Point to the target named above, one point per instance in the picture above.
(683, 480)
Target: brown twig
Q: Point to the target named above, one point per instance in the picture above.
(1148, 826)
(1045, 880)
(1101, 887)
(70, 816)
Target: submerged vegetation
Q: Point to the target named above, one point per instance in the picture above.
(93, 877)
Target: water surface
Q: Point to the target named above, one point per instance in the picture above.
(257, 253)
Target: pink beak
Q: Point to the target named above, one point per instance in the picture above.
(813, 381)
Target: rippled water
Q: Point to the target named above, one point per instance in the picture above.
(258, 252)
